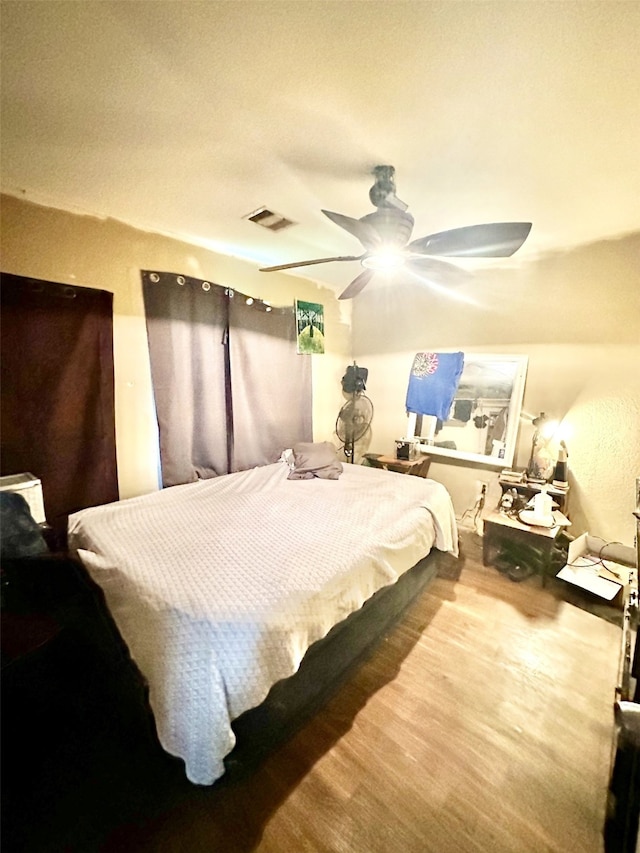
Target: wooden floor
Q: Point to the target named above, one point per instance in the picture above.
(482, 723)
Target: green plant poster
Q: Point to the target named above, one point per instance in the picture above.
(310, 327)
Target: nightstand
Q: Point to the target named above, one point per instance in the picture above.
(418, 467)
(501, 530)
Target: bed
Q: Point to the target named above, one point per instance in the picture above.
(220, 588)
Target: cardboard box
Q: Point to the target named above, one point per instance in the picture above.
(598, 567)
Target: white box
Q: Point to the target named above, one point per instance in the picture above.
(602, 576)
(30, 488)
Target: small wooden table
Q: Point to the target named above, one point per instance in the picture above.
(418, 467)
(500, 527)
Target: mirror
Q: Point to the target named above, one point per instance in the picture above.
(483, 420)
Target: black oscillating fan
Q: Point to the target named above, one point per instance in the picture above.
(354, 419)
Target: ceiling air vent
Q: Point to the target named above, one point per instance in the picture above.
(268, 219)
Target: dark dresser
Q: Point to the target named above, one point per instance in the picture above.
(621, 831)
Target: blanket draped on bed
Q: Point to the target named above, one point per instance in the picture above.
(219, 587)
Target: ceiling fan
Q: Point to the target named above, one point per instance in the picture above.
(384, 235)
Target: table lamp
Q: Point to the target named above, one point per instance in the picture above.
(541, 462)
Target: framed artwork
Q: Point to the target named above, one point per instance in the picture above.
(309, 327)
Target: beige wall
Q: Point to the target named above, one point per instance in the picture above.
(576, 315)
(50, 244)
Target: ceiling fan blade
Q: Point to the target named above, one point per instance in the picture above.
(440, 272)
(359, 283)
(309, 263)
(492, 240)
(363, 231)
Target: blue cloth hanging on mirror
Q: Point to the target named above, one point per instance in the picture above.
(433, 383)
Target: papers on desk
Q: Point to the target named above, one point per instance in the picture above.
(585, 568)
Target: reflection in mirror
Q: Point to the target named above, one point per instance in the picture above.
(483, 420)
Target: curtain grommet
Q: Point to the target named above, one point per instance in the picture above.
(180, 279)
(206, 286)
(154, 277)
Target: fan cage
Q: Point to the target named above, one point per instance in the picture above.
(353, 421)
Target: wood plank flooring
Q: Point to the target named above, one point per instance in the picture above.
(483, 722)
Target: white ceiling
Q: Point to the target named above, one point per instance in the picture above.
(183, 117)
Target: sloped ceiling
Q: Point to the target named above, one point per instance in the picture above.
(184, 117)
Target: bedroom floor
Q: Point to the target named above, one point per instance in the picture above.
(482, 722)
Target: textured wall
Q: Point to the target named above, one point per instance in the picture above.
(50, 244)
(605, 448)
(576, 315)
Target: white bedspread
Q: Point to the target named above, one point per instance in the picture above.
(219, 587)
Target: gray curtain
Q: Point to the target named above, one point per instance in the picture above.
(230, 390)
(187, 332)
(270, 383)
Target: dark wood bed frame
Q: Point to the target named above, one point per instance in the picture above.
(78, 620)
(327, 664)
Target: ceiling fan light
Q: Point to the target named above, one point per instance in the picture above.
(385, 260)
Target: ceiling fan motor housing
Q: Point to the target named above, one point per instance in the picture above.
(393, 226)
